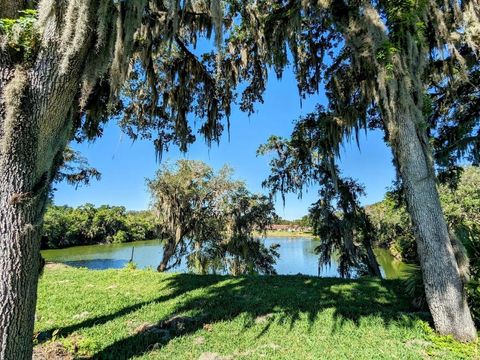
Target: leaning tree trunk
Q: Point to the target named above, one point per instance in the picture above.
(444, 288)
(399, 96)
(170, 248)
(168, 252)
(374, 267)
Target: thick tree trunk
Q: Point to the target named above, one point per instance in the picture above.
(39, 99)
(20, 224)
(27, 166)
(444, 288)
(23, 196)
(37, 104)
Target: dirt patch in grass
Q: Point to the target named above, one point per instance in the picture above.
(174, 325)
(51, 351)
(81, 316)
(56, 266)
(153, 329)
(179, 323)
(213, 356)
(418, 342)
(207, 327)
(200, 340)
(263, 318)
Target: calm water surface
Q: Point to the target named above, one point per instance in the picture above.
(296, 257)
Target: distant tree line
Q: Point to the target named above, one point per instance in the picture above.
(66, 226)
(460, 204)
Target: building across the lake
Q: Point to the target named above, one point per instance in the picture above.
(289, 228)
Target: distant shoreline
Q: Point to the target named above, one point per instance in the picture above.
(275, 233)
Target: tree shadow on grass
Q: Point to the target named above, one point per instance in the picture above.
(284, 299)
(176, 286)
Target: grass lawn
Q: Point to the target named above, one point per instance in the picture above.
(140, 314)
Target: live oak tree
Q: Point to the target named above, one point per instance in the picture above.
(381, 63)
(66, 67)
(210, 218)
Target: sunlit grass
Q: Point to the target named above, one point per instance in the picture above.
(120, 314)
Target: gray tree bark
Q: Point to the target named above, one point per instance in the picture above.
(442, 279)
(27, 166)
(19, 232)
(37, 105)
(23, 196)
(399, 96)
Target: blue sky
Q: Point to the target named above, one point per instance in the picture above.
(125, 164)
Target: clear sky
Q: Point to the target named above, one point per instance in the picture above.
(125, 164)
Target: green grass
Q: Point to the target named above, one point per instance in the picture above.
(120, 314)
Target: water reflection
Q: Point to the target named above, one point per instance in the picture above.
(297, 256)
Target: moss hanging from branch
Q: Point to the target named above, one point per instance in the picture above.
(132, 38)
(13, 95)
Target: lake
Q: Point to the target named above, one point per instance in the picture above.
(297, 256)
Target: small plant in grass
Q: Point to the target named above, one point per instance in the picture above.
(131, 265)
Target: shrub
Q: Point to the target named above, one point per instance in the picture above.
(120, 237)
